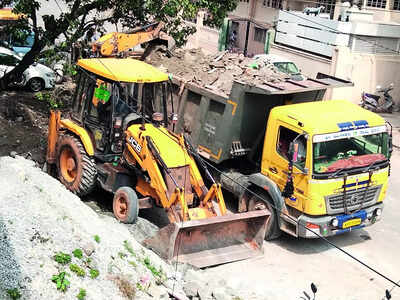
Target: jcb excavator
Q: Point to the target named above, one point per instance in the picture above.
(117, 139)
(118, 44)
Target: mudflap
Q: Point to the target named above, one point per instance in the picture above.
(212, 241)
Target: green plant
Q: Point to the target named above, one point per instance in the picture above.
(129, 248)
(61, 281)
(14, 293)
(122, 255)
(152, 268)
(49, 99)
(77, 270)
(62, 258)
(77, 253)
(132, 263)
(70, 70)
(97, 238)
(94, 273)
(82, 294)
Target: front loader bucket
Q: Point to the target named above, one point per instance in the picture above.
(212, 241)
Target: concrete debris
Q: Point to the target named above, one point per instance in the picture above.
(215, 72)
(89, 248)
(40, 218)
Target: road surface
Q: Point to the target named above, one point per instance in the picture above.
(290, 265)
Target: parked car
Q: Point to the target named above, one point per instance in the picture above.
(283, 64)
(35, 78)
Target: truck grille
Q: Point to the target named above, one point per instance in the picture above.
(334, 203)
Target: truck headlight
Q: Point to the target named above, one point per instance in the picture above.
(378, 212)
(335, 222)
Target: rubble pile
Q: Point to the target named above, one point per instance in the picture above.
(217, 71)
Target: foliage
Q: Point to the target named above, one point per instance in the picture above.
(129, 248)
(62, 258)
(132, 263)
(94, 273)
(77, 253)
(14, 293)
(70, 70)
(97, 238)
(152, 268)
(50, 100)
(82, 294)
(122, 255)
(61, 281)
(74, 20)
(77, 270)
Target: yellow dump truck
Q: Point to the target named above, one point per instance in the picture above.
(319, 166)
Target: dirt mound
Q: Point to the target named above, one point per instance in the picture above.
(215, 72)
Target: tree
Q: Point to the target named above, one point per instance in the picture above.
(77, 20)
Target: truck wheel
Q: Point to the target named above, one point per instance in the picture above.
(256, 203)
(126, 205)
(76, 170)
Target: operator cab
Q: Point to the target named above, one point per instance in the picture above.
(110, 96)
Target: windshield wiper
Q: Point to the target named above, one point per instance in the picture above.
(373, 164)
(337, 172)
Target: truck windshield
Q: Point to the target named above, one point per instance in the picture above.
(351, 152)
(287, 67)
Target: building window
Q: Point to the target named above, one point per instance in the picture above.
(396, 5)
(376, 3)
(329, 6)
(273, 3)
(259, 34)
(247, 1)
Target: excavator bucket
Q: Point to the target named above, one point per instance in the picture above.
(212, 241)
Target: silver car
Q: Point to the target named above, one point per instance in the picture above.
(37, 77)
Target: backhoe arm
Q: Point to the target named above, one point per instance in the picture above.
(115, 43)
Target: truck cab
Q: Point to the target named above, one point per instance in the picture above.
(340, 155)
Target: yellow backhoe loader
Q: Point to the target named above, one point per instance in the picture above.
(119, 44)
(116, 138)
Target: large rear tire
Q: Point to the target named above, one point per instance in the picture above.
(255, 203)
(126, 205)
(76, 170)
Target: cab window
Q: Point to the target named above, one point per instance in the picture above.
(285, 137)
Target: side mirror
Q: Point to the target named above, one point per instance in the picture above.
(390, 146)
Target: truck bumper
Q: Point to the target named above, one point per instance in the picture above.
(323, 225)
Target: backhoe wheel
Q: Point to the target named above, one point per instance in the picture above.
(256, 203)
(76, 170)
(126, 205)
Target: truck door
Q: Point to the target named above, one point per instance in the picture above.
(279, 161)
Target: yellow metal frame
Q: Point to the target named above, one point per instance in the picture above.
(81, 132)
(157, 187)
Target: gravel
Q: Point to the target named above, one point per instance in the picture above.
(39, 218)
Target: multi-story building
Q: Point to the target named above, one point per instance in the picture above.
(358, 45)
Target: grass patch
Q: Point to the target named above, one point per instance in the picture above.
(61, 281)
(152, 268)
(77, 253)
(14, 293)
(62, 258)
(77, 270)
(94, 273)
(129, 248)
(97, 238)
(82, 294)
(132, 263)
